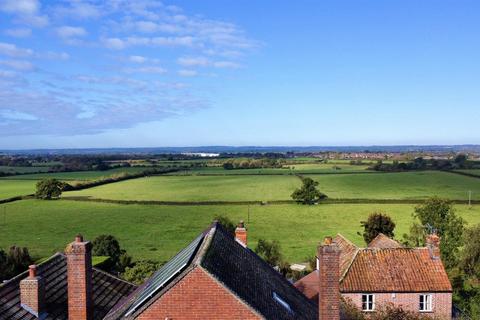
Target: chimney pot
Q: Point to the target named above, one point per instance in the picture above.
(32, 271)
(327, 241)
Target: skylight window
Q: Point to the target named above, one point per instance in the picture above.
(282, 302)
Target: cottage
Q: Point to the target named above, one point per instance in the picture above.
(387, 272)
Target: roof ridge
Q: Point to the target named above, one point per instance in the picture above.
(350, 264)
(346, 239)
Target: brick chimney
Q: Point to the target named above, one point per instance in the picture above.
(32, 293)
(329, 278)
(433, 245)
(241, 234)
(79, 279)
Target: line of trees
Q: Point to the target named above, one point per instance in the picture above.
(459, 162)
(252, 164)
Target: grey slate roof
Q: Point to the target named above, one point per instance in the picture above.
(107, 291)
(240, 271)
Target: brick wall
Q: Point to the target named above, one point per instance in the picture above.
(329, 286)
(198, 296)
(441, 304)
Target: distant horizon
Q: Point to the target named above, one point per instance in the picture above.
(263, 148)
(128, 73)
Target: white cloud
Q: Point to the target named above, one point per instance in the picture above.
(18, 32)
(204, 62)
(20, 65)
(147, 69)
(12, 50)
(71, 32)
(226, 64)
(115, 43)
(187, 73)
(79, 10)
(22, 7)
(16, 115)
(193, 61)
(50, 55)
(137, 59)
(27, 12)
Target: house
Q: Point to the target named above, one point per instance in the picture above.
(64, 283)
(215, 277)
(386, 272)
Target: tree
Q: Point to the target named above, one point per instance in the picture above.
(108, 245)
(48, 189)
(269, 251)
(227, 223)
(141, 271)
(376, 223)
(308, 192)
(470, 259)
(18, 260)
(3, 265)
(439, 215)
(460, 160)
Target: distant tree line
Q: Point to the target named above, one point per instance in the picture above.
(459, 162)
(252, 164)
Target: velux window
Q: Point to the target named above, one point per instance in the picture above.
(425, 302)
(282, 302)
(368, 302)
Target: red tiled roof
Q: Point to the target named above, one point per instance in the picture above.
(391, 269)
(382, 241)
(395, 270)
(347, 252)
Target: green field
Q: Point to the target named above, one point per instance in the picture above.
(76, 175)
(196, 188)
(475, 172)
(13, 188)
(405, 185)
(158, 232)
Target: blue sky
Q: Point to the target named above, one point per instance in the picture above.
(123, 73)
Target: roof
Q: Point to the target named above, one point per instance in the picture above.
(382, 241)
(240, 271)
(386, 268)
(395, 270)
(107, 291)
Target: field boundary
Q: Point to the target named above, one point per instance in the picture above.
(261, 203)
(464, 174)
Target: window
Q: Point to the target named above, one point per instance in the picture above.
(425, 302)
(368, 302)
(282, 302)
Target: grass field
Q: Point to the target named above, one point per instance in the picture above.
(12, 188)
(475, 172)
(405, 185)
(196, 188)
(158, 232)
(76, 175)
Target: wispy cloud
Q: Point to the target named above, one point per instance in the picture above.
(19, 32)
(20, 65)
(70, 32)
(205, 62)
(187, 73)
(12, 50)
(26, 12)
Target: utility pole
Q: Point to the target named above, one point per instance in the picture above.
(470, 199)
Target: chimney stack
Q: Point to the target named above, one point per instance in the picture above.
(433, 245)
(32, 293)
(241, 234)
(329, 280)
(79, 279)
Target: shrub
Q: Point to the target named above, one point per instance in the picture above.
(140, 271)
(377, 223)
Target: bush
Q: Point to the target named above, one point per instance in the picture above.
(48, 189)
(14, 262)
(269, 251)
(140, 271)
(227, 223)
(108, 245)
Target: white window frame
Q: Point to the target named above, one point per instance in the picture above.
(369, 302)
(425, 302)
